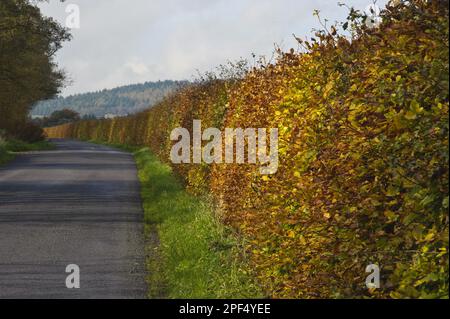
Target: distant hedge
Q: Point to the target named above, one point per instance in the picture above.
(363, 142)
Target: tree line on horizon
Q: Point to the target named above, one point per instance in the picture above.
(119, 101)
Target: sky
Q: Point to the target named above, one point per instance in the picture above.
(122, 42)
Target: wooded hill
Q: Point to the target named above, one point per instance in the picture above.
(118, 101)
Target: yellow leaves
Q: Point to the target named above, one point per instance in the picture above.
(415, 107)
(328, 89)
(392, 191)
(391, 216)
(414, 110)
(302, 240)
(359, 161)
(353, 88)
(442, 252)
(353, 117)
(410, 115)
(430, 236)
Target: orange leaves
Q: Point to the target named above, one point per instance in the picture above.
(363, 159)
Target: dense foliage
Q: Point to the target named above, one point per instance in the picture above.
(363, 174)
(123, 100)
(28, 73)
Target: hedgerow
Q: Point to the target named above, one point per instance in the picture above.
(363, 145)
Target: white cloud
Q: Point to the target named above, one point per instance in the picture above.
(122, 41)
(137, 67)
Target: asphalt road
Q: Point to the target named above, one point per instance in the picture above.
(78, 204)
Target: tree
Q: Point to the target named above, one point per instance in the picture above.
(59, 117)
(28, 73)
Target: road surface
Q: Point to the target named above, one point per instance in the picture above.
(78, 204)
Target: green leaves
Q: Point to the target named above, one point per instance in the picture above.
(28, 73)
(414, 111)
(364, 155)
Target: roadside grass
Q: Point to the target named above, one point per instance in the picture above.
(8, 148)
(195, 256)
(21, 146)
(5, 156)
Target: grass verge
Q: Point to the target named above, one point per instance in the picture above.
(196, 256)
(5, 156)
(9, 147)
(21, 146)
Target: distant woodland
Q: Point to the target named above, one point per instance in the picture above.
(118, 101)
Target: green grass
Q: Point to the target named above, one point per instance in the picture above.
(9, 147)
(193, 254)
(5, 156)
(21, 146)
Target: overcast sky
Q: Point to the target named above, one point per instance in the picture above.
(130, 41)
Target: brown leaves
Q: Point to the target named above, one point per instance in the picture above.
(363, 159)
